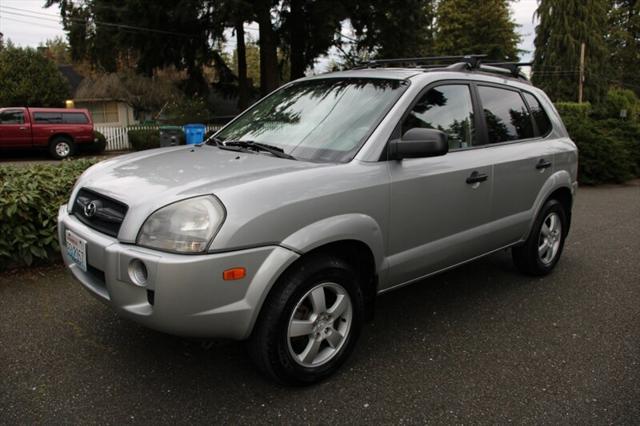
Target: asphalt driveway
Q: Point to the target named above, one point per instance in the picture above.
(480, 344)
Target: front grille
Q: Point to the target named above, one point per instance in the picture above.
(99, 212)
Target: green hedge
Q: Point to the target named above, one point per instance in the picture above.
(29, 200)
(144, 139)
(609, 146)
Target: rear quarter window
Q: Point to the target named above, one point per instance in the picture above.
(539, 114)
(74, 118)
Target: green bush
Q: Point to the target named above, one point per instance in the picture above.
(29, 200)
(569, 110)
(98, 146)
(616, 101)
(605, 154)
(144, 139)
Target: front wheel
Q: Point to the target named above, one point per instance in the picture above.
(310, 322)
(541, 251)
(61, 148)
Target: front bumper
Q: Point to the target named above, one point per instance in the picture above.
(184, 294)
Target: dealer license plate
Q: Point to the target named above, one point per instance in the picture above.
(76, 249)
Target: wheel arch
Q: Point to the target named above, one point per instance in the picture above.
(60, 135)
(558, 186)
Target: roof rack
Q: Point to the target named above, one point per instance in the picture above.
(472, 61)
(512, 67)
(454, 63)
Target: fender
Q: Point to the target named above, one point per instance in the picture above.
(352, 226)
(559, 179)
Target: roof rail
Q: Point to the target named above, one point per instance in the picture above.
(472, 61)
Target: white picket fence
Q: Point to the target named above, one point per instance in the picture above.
(117, 139)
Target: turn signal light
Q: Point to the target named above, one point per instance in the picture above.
(234, 274)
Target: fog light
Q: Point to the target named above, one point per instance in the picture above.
(138, 272)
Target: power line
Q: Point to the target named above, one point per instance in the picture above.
(49, 17)
(30, 23)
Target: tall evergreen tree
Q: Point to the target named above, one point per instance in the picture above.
(563, 26)
(393, 28)
(624, 43)
(476, 26)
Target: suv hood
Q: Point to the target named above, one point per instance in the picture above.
(158, 177)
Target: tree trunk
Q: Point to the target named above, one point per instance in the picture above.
(269, 79)
(297, 37)
(243, 88)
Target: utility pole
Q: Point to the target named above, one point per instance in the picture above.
(581, 82)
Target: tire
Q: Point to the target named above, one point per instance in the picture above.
(541, 251)
(322, 338)
(61, 147)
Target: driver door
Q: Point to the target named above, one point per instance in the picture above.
(440, 206)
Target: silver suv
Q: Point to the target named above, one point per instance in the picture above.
(283, 227)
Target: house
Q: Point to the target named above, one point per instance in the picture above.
(104, 97)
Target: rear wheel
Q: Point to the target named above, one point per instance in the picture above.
(542, 250)
(61, 147)
(310, 321)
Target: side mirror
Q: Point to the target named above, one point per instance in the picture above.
(418, 143)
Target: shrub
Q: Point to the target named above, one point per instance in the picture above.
(616, 101)
(29, 200)
(604, 155)
(98, 146)
(144, 139)
(569, 110)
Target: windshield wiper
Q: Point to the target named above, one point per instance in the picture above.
(259, 146)
(216, 141)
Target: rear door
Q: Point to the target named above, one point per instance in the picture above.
(15, 131)
(522, 158)
(439, 205)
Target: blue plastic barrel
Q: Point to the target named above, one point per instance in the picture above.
(194, 133)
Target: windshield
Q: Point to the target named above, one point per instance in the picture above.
(324, 120)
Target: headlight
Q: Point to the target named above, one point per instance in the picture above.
(185, 226)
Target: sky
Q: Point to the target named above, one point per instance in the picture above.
(26, 23)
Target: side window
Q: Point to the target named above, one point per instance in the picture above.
(12, 117)
(47, 117)
(447, 108)
(539, 115)
(506, 114)
(74, 118)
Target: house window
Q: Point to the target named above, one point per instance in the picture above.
(104, 112)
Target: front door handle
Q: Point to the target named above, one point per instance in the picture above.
(543, 164)
(22, 128)
(476, 177)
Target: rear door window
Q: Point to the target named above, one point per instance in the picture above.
(47, 117)
(539, 115)
(12, 117)
(447, 108)
(506, 115)
(74, 118)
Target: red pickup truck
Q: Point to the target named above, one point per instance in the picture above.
(62, 131)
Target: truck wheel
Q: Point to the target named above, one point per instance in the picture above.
(310, 322)
(542, 250)
(61, 148)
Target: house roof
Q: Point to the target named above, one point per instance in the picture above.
(72, 76)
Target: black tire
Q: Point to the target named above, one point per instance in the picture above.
(269, 345)
(61, 147)
(526, 257)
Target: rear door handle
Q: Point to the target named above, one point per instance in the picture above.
(22, 128)
(476, 177)
(543, 164)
